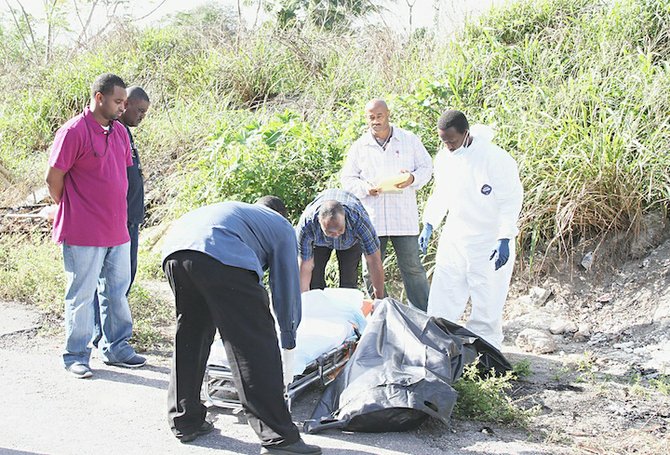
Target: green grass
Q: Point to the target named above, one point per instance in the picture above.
(151, 314)
(661, 384)
(486, 398)
(522, 369)
(31, 271)
(580, 105)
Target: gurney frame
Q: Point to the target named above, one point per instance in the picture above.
(219, 389)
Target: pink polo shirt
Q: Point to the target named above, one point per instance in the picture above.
(93, 210)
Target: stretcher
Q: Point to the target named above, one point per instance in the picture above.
(332, 322)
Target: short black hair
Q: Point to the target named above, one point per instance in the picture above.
(137, 93)
(453, 118)
(274, 203)
(105, 84)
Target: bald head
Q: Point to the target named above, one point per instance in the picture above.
(332, 218)
(376, 103)
(377, 114)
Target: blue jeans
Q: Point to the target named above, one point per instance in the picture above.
(411, 269)
(104, 272)
(134, 231)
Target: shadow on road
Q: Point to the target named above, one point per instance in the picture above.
(4, 451)
(126, 377)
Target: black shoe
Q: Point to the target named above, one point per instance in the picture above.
(136, 361)
(205, 428)
(297, 448)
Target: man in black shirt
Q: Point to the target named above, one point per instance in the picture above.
(137, 106)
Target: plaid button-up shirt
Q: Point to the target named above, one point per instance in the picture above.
(358, 227)
(368, 164)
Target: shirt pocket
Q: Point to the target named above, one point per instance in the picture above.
(401, 159)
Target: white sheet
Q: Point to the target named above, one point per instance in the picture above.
(328, 319)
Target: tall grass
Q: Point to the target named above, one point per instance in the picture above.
(578, 91)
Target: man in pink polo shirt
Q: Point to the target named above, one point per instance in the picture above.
(87, 179)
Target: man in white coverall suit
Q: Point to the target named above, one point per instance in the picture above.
(477, 184)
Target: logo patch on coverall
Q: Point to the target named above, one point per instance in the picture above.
(486, 190)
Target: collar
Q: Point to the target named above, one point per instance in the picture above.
(93, 123)
(370, 138)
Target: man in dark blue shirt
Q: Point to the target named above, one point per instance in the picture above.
(214, 258)
(137, 106)
(336, 220)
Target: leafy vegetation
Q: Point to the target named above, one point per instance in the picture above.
(239, 113)
(485, 398)
(578, 90)
(579, 104)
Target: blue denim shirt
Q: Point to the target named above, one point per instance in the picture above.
(250, 237)
(358, 227)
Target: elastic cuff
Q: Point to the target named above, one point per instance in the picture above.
(288, 340)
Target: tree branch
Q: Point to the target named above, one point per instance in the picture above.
(30, 28)
(150, 12)
(18, 26)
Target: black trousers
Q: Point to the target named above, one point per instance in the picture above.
(210, 295)
(347, 261)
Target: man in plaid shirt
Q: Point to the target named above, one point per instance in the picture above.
(336, 220)
(384, 152)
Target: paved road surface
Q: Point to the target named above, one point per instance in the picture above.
(122, 411)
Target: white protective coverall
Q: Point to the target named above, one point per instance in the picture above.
(480, 189)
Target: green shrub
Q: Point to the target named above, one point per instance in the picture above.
(284, 156)
(484, 398)
(580, 105)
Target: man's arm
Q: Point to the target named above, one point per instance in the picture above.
(376, 271)
(284, 284)
(55, 180)
(508, 193)
(350, 176)
(305, 267)
(63, 155)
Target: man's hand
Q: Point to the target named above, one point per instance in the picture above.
(287, 360)
(406, 183)
(424, 237)
(503, 253)
(48, 212)
(374, 191)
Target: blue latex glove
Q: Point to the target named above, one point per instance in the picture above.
(424, 237)
(503, 253)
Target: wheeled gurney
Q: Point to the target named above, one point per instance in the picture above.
(332, 321)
